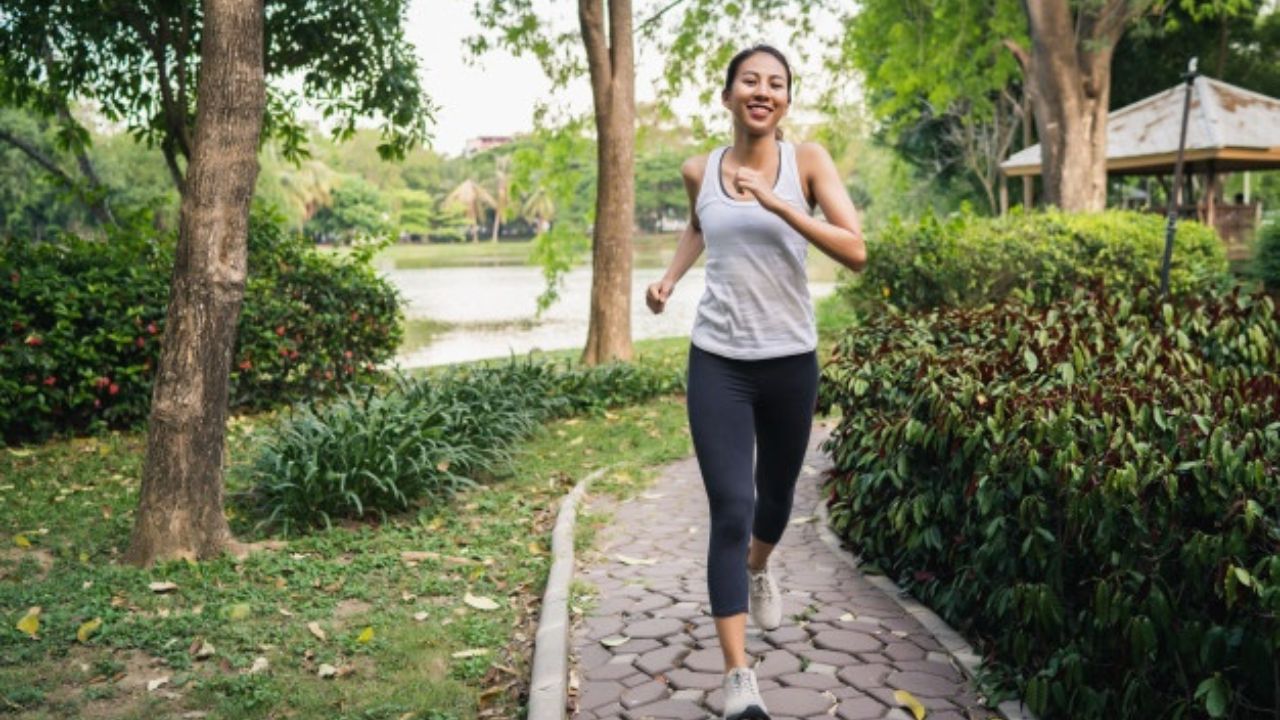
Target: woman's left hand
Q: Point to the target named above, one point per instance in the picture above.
(753, 181)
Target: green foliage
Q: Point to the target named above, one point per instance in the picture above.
(1266, 256)
(358, 210)
(1087, 487)
(967, 260)
(84, 321)
(368, 453)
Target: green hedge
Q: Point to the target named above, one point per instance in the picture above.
(970, 260)
(1088, 488)
(83, 323)
(1266, 256)
(370, 453)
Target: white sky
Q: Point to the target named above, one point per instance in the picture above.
(497, 95)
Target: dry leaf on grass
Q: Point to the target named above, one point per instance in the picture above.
(163, 587)
(473, 652)
(365, 635)
(87, 629)
(480, 602)
(30, 623)
(628, 560)
(314, 628)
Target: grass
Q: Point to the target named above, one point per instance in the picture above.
(73, 500)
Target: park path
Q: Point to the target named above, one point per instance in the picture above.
(845, 660)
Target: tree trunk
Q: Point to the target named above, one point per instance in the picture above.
(1069, 74)
(180, 512)
(611, 60)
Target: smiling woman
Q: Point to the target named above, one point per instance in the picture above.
(753, 371)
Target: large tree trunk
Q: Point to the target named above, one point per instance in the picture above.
(1068, 71)
(180, 512)
(611, 61)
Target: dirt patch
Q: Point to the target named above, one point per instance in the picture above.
(11, 559)
(350, 608)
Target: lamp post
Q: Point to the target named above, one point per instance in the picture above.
(1175, 199)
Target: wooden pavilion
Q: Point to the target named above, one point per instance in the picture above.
(1229, 129)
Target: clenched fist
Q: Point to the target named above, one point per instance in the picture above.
(656, 296)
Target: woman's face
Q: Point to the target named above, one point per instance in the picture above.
(758, 97)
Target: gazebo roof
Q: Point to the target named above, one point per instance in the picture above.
(1229, 128)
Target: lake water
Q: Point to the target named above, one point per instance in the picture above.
(505, 295)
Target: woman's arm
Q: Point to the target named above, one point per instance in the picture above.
(690, 245)
(840, 236)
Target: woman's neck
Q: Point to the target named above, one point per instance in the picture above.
(755, 151)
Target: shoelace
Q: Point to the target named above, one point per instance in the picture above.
(761, 582)
(745, 680)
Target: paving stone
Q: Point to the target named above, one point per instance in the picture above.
(710, 660)
(795, 701)
(664, 709)
(595, 694)
(902, 650)
(786, 634)
(827, 657)
(942, 669)
(922, 684)
(865, 676)
(638, 678)
(775, 663)
(656, 662)
(662, 627)
(645, 604)
(684, 678)
(863, 708)
(813, 681)
(849, 641)
(609, 671)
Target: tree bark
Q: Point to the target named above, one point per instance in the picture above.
(180, 513)
(611, 61)
(1068, 73)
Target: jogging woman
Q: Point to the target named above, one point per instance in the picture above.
(753, 369)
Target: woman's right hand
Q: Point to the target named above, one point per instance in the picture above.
(656, 296)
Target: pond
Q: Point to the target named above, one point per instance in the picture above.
(455, 314)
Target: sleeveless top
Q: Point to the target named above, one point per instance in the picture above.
(756, 304)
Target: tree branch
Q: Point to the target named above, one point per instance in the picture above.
(654, 18)
(1020, 54)
(98, 210)
(621, 40)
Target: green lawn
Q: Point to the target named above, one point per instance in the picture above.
(396, 627)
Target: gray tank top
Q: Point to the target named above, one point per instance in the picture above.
(757, 302)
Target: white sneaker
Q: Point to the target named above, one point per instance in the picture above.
(742, 699)
(765, 600)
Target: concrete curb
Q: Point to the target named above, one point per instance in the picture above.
(548, 685)
(954, 644)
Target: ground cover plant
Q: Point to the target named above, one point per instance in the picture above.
(1088, 488)
(427, 614)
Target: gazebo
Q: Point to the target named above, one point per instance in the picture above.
(1229, 129)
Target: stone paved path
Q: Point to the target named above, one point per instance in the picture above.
(852, 649)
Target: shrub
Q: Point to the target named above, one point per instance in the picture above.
(1266, 256)
(368, 454)
(1088, 488)
(84, 320)
(969, 260)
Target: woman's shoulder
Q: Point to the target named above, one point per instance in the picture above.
(694, 167)
(811, 154)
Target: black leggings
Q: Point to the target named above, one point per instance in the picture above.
(736, 406)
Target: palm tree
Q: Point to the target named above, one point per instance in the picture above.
(501, 178)
(539, 209)
(309, 187)
(472, 199)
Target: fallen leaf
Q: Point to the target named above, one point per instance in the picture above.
(808, 470)
(651, 496)
(260, 664)
(19, 453)
(239, 611)
(909, 701)
(628, 560)
(420, 616)
(87, 629)
(443, 466)
(418, 555)
(802, 519)
(284, 612)
(326, 670)
(30, 623)
(153, 685)
(847, 617)
(474, 652)
(480, 602)
(614, 640)
(576, 441)
(21, 541)
(314, 628)
(536, 549)
(163, 587)
(365, 635)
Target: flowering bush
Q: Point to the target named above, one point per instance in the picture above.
(83, 322)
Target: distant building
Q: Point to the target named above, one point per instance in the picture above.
(485, 142)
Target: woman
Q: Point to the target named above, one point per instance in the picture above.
(753, 370)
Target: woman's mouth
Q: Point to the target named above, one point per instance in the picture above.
(759, 112)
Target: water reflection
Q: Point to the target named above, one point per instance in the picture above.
(491, 309)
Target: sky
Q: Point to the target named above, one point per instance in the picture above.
(496, 96)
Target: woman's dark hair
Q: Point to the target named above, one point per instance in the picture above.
(743, 55)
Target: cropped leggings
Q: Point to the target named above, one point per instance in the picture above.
(736, 407)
